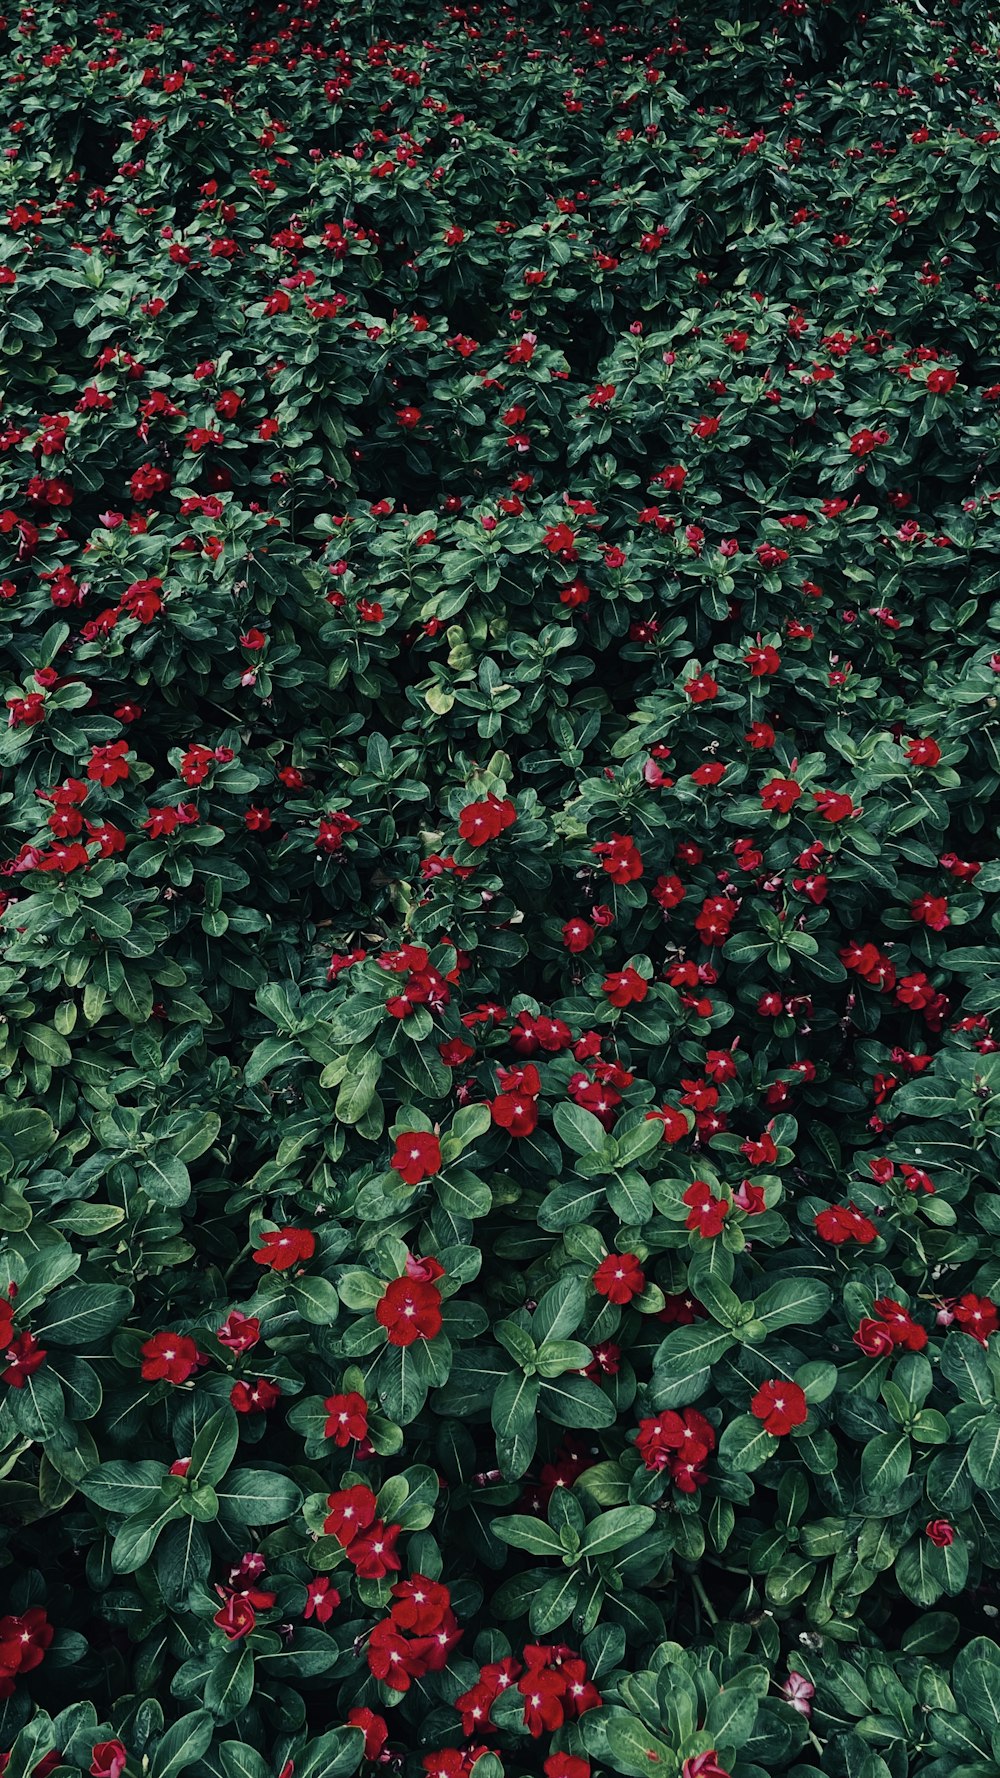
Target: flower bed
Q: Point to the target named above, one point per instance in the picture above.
(500, 1106)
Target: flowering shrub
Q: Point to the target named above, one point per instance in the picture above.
(500, 1263)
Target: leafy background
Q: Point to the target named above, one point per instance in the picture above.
(588, 419)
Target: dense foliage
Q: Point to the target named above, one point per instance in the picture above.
(501, 627)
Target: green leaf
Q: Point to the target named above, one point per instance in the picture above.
(25, 1131)
(683, 1364)
(885, 1463)
(333, 1755)
(46, 1045)
(744, 1445)
(559, 1310)
(577, 1402)
(613, 1530)
(358, 1090)
(120, 1487)
(229, 1686)
(183, 1745)
(794, 1302)
(136, 1540)
(273, 1054)
(581, 1131)
(632, 1749)
(553, 1602)
(214, 1447)
(469, 1123)
(82, 1314)
(316, 1300)
(984, 1455)
(163, 1177)
(731, 1716)
(258, 1497)
(558, 1356)
(402, 1383)
(359, 1291)
(513, 1416)
(976, 1682)
(528, 1534)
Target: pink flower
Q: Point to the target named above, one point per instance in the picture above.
(704, 1765)
(798, 1692)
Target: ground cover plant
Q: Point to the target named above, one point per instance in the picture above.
(499, 956)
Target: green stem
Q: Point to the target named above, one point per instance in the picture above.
(703, 1599)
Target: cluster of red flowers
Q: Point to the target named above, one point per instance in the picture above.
(370, 1544)
(680, 1443)
(552, 1681)
(242, 1598)
(480, 822)
(890, 1326)
(417, 1636)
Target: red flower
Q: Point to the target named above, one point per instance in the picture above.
(408, 417)
(707, 1212)
(410, 1310)
(844, 1222)
(923, 752)
(23, 1642)
(24, 1357)
(702, 690)
(833, 805)
(940, 1532)
(236, 1617)
(977, 1315)
(421, 1605)
(780, 1406)
(678, 1442)
(903, 1330)
(874, 1338)
(940, 381)
(107, 1759)
(239, 1332)
(566, 1765)
(675, 1124)
(479, 822)
(417, 1156)
(255, 1398)
(621, 858)
(703, 1765)
(394, 1659)
(332, 828)
(625, 987)
(543, 1692)
(620, 1277)
(284, 1248)
(578, 935)
(781, 794)
(517, 1113)
(322, 1600)
(347, 1418)
(108, 764)
(170, 1358)
(931, 910)
(560, 540)
(375, 1730)
(349, 1512)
